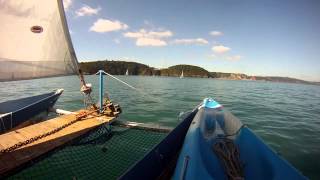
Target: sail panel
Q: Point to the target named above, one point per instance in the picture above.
(35, 40)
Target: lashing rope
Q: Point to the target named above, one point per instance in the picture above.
(114, 108)
(229, 156)
(79, 117)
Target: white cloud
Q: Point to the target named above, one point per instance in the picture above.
(149, 38)
(67, 4)
(216, 33)
(199, 41)
(133, 34)
(234, 58)
(150, 42)
(105, 25)
(151, 34)
(160, 34)
(220, 49)
(87, 11)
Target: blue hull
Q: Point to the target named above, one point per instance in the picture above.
(159, 160)
(186, 153)
(199, 160)
(18, 111)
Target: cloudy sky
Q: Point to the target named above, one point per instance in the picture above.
(274, 37)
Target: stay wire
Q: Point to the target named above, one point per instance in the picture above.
(136, 89)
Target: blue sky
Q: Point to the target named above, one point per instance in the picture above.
(274, 37)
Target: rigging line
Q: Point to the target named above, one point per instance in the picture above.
(138, 90)
(121, 81)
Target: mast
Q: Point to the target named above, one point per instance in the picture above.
(86, 89)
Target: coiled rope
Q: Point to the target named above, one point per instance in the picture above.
(229, 156)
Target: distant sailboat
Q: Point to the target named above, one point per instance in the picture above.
(127, 72)
(181, 76)
(35, 43)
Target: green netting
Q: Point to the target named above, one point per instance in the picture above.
(102, 154)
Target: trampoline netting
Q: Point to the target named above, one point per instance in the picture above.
(101, 154)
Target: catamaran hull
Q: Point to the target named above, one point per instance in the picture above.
(187, 152)
(160, 161)
(202, 157)
(15, 113)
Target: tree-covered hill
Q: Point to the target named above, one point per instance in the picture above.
(120, 68)
(188, 71)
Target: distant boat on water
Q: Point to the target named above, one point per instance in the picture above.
(127, 73)
(181, 76)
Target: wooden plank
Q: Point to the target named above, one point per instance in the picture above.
(6, 162)
(21, 155)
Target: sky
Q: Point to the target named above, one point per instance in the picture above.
(269, 38)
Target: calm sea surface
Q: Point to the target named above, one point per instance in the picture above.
(285, 116)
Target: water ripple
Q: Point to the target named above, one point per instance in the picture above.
(285, 116)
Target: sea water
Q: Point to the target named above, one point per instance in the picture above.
(286, 116)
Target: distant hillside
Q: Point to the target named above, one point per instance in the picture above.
(188, 71)
(235, 76)
(282, 79)
(120, 68)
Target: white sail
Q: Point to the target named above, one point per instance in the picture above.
(181, 76)
(127, 72)
(34, 40)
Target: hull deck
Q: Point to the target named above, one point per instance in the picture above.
(99, 154)
(22, 112)
(12, 160)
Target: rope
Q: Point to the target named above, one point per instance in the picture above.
(134, 88)
(88, 101)
(79, 117)
(229, 156)
(121, 81)
(115, 109)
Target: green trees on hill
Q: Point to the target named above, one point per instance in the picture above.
(188, 71)
(120, 68)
